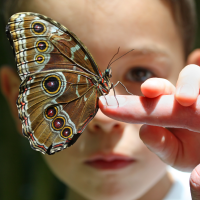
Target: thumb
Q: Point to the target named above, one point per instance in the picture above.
(195, 183)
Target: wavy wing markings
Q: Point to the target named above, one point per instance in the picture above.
(86, 110)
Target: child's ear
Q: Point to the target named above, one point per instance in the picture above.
(10, 88)
(194, 57)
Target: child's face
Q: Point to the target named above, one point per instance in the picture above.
(148, 27)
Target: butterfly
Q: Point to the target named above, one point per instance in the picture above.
(60, 81)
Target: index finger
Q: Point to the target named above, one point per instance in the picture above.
(161, 111)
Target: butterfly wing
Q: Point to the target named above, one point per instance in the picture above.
(40, 43)
(58, 95)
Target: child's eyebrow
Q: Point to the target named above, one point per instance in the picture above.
(155, 53)
(138, 51)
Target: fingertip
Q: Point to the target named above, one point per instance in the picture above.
(110, 105)
(152, 88)
(102, 101)
(195, 183)
(102, 104)
(143, 132)
(186, 99)
(185, 102)
(188, 84)
(120, 107)
(151, 135)
(155, 87)
(160, 141)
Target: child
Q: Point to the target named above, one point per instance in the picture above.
(109, 161)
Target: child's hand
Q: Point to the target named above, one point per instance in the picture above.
(164, 105)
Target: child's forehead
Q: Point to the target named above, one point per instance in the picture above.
(81, 13)
(105, 25)
(92, 17)
(92, 10)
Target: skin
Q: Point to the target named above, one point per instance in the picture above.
(103, 26)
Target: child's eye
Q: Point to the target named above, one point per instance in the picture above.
(139, 74)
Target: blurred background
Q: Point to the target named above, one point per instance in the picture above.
(23, 173)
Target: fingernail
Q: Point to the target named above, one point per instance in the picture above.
(186, 90)
(113, 101)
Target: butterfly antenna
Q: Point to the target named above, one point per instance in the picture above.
(113, 57)
(120, 57)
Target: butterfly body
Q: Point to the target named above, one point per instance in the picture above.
(61, 82)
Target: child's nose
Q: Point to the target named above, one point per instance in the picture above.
(102, 123)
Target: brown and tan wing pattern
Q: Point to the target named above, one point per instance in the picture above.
(57, 96)
(40, 43)
(55, 108)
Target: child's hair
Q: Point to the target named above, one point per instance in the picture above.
(183, 11)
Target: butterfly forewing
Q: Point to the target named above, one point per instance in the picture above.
(58, 96)
(42, 42)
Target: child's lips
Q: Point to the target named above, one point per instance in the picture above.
(109, 161)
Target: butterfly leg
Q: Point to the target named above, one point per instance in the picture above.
(122, 85)
(113, 87)
(103, 95)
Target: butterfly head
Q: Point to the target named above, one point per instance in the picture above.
(108, 73)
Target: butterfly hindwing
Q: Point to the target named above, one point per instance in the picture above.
(57, 96)
(82, 111)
